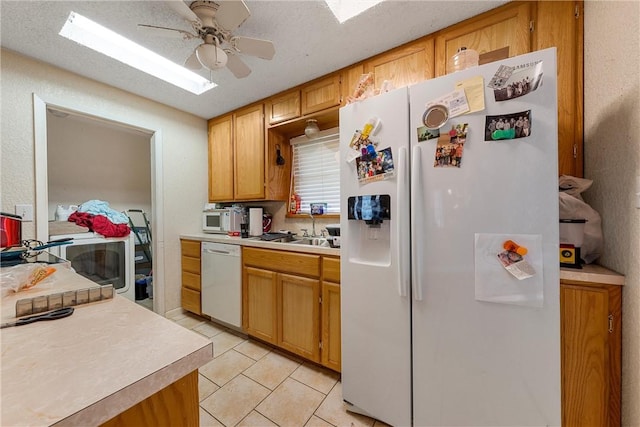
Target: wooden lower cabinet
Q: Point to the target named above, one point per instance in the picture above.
(174, 405)
(259, 303)
(287, 303)
(299, 325)
(331, 333)
(590, 316)
(191, 281)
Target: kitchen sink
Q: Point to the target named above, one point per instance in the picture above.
(293, 239)
(311, 241)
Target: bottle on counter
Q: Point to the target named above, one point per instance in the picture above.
(294, 203)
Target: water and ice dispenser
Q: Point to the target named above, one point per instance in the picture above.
(369, 229)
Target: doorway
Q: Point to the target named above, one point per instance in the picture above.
(45, 113)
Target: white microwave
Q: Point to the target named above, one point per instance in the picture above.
(221, 220)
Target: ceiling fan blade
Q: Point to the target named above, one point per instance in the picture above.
(192, 62)
(231, 14)
(183, 10)
(236, 66)
(156, 31)
(254, 47)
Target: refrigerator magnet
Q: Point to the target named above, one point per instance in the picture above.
(435, 116)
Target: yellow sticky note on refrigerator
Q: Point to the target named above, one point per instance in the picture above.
(474, 91)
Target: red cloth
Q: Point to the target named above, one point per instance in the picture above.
(81, 218)
(100, 224)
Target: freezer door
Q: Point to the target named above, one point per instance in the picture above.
(375, 303)
(476, 362)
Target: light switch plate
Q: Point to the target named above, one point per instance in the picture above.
(25, 211)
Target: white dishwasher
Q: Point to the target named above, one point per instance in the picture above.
(221, 277)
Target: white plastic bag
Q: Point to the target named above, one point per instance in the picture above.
(573, 208)
(573, 186)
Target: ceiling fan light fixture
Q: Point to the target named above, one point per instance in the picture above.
(312, 130)
(211, 56)
(192, 62)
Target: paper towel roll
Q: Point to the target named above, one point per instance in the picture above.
(255, 221)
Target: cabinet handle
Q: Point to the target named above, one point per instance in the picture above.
(611, 323)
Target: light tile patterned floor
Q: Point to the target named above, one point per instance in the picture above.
(250, 384)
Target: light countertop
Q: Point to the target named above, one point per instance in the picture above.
(592, 273)
(256, 243)
(87, 368)
(588, 273)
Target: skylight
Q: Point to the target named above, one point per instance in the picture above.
(94, 36)
(347, 9)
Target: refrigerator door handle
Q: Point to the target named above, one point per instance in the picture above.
(417, 245)
(402, 222)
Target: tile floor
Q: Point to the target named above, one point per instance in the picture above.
(250, 384)
(146, 303)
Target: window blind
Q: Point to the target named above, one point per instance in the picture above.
(316, 170)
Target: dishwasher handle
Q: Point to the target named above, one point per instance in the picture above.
(216, 251)
(220, 249)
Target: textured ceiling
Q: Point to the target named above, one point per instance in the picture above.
(309, 42)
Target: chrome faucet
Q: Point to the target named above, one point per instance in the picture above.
(313, 226)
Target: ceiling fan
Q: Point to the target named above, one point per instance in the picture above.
(214, 23)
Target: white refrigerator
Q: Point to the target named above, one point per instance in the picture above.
(436, 330)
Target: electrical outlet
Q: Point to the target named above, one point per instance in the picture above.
(25, 211)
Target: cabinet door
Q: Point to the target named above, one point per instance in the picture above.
(284, 107)
(299, 307)
(560, 24)
(259, 303)
(249, 153)
(221, 159)
(321, 95)
(508, 27)
(590, 347)
(331, 333)
(350, 78)
(403, 66)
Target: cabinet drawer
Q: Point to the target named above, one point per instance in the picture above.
(190, 248)
(192, 265)
(191, 281)
(191, 300)
(331, 269)
(286, 262)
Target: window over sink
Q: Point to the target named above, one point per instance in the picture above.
(316, 170)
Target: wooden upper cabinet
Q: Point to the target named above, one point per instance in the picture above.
(403, 66)
(284, 107)
(508, 27)
(249, 153)
(221, 159)
(321, 94)
(350, 78)
(560, 24)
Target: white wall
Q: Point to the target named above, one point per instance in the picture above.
(90, 159)
(612, 161)
(184, 146)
